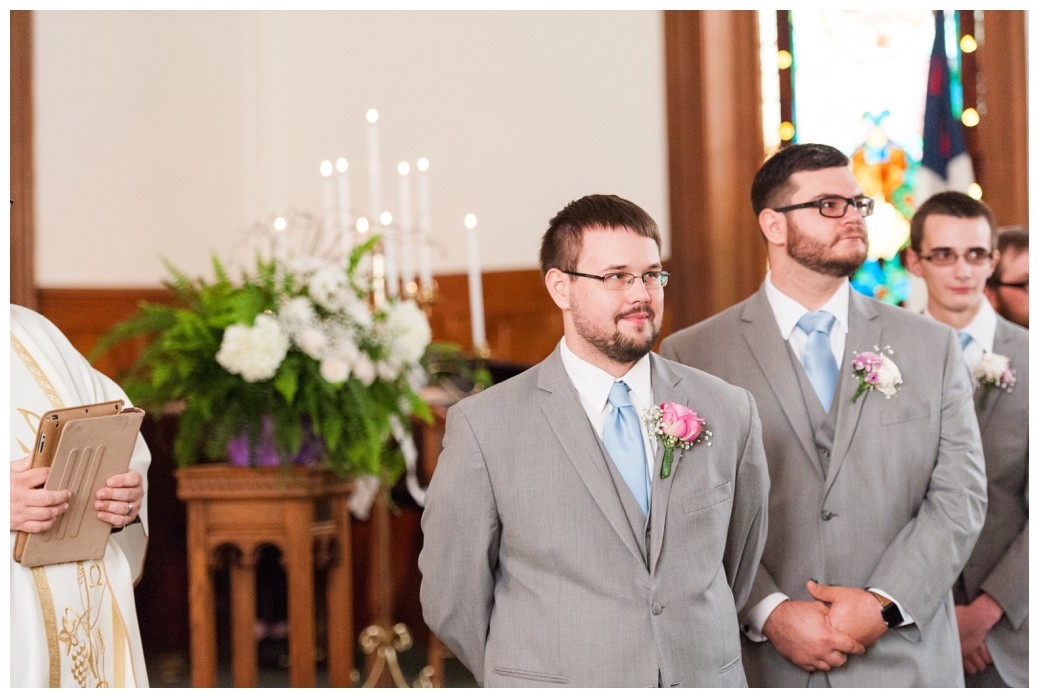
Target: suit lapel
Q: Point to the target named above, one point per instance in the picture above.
(1000, 345)
(773, 358)
(863, 335)
(665, 389)
(561, 406)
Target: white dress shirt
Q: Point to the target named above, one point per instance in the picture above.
(593, 385)
(982, 331)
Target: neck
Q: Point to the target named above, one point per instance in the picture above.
(586, 352)
(956, 319)
(809, 288)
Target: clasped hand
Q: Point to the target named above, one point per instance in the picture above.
(819, 635)
(34, 509)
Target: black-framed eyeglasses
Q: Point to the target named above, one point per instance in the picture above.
(946, 256)
(834, 206)
(620, 280)
(1023, 285)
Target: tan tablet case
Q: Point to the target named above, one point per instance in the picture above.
(83, 446)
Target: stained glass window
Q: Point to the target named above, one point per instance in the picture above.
(857, 80)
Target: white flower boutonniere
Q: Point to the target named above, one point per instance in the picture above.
(875, 371)
(676, 426)
(993, 371)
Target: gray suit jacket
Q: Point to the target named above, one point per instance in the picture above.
(901, 503)
(534, 574)
(999, 563)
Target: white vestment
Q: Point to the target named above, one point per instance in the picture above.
(73, 624)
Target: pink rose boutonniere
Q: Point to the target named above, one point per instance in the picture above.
(993, 371)
(876, 371)
(676, 426)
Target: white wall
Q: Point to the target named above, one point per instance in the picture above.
(166, 134)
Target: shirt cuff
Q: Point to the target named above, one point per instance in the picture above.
(754, 619)
(906, 618)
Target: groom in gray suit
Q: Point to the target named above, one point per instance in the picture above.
(951, 240)
(878, 482)
(565, 542)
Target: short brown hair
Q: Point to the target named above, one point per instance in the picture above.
(949, 203)
(772, 181)
(1010, 237)
(561, 244)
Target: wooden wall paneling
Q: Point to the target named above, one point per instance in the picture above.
(23, 248)
(1002, 63)
(715, 147)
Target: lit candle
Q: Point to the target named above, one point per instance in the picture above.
(374, 174)
(328, 210)
(407, 260)
(425, 239)
(343, 190)
(389, 255)
(475, 287)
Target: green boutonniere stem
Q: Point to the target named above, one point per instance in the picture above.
(984, 395)
(665, 465)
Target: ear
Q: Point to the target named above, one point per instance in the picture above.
(913, 263)
(773, 227)
(558, 285)
(992, 265)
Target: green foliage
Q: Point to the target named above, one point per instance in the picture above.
(352, 418)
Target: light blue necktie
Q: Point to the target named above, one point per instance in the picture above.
(965, 339)
(820, 366)
(623, 440)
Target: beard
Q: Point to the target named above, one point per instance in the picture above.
(819, 256)
(617, 346)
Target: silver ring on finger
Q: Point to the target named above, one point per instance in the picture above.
(129, 508)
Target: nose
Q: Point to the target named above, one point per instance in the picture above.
(638, 289)
(961, 267)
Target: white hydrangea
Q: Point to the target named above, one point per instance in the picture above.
(364, 369)
(407, 332)
(334, 370)
(297, 313)
(330, 288)
(312, 341)
(254, 352)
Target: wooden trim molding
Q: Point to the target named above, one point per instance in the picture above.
(715, 146)
(23, 220)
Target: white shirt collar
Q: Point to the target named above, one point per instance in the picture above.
(593, 384)
(982, 328)
(788, 311)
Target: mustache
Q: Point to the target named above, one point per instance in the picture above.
(637, 308)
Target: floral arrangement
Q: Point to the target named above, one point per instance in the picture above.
(676, 426)
(993, 371)
(875, 371)
(298, 351)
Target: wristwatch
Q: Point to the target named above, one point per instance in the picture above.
(888, 610)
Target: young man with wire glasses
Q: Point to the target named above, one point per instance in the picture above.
(951, 240)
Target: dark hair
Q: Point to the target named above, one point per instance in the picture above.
(772, 181)
(561, 244)
(1011, 237)
(949, 203)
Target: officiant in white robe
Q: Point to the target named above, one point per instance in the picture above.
(74, 624)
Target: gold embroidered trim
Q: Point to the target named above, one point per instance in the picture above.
(50, 623)
(37, 373)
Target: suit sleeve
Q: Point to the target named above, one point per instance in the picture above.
(460, 550)
(749, 524)
(1007, 582)
(924, 560)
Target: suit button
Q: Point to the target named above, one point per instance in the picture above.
(657, 609)
(827, 515)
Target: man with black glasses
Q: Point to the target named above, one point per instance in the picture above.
(1007, 288)
(951, 238)
(571, 541)
(878, 483)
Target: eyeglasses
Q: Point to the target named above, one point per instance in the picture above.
(1018, 284)
(620, 280)
(834, 206)
(946, 256)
